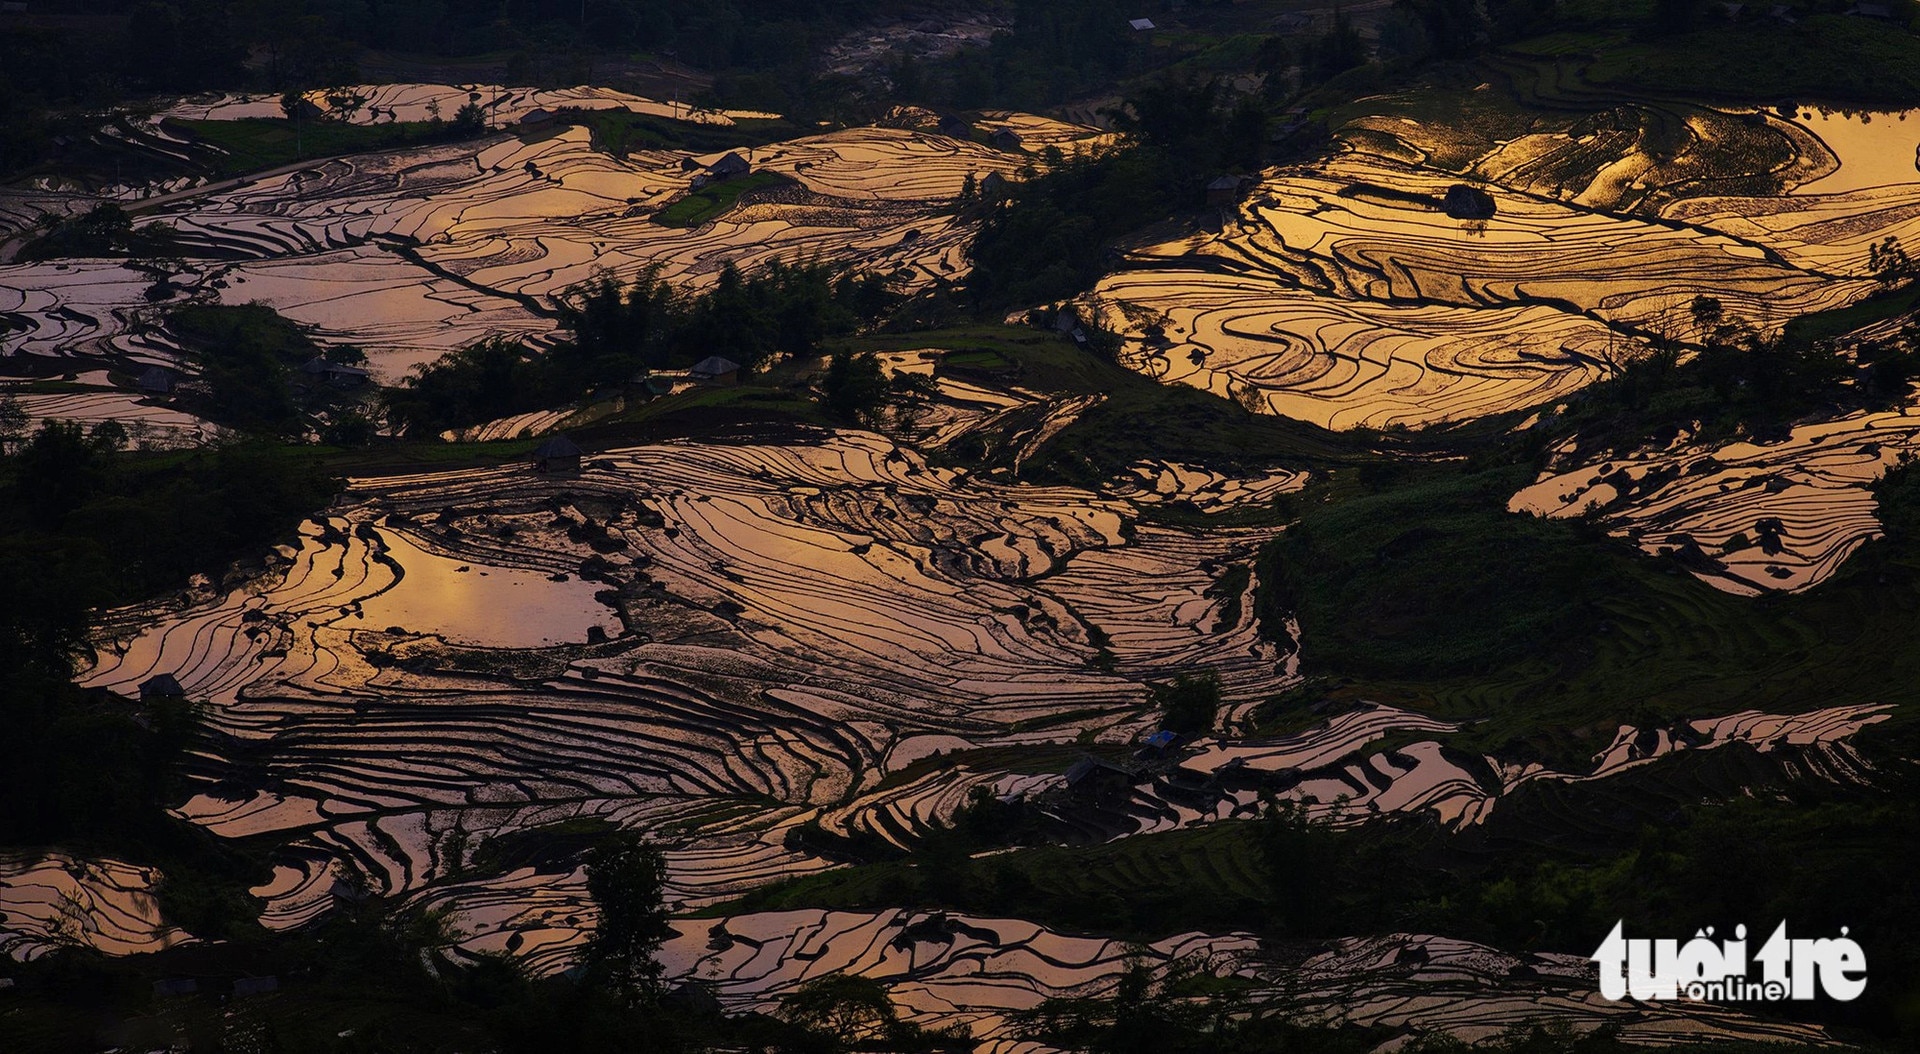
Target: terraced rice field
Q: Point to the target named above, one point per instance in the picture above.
(719, 644)
(1165, 482)
(423, 102)
(1617, 154)
(91, 399)
(59, 901)
(1472, 992)
(1336, 774)
(790, 615)
(1873, 149)
(1747, 518)
(85, 310)
(413, 253)
(1037, 132)
(1340, 294)
(941, 969)
(736, 647)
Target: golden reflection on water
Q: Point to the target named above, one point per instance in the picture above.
(491, 607)
(1875, 149)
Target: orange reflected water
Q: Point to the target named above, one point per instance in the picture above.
(1875, 149)
(490, 607)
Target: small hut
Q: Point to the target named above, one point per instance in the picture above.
(1142, 25)
(993, 185)
(155, 380)
(1005, 139)
(161, 686)
(1094, 778)
(715, 370)
(728, 167)
(644, 385)
(320, 371)
(1162, 741)
(557, 455)
(954, 128)
(1224, 190)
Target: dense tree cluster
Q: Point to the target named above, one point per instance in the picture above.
(1189, 703)
(104, 230)
(619, 331)
(1720, 377)
(249, 357)
(855, 387)
(1048, 235)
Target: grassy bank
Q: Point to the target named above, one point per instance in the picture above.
(256, 144)
(711, 201)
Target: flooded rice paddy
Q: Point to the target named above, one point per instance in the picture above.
(721, 644)
(412, 253)
(1873, 149)
(798, 630)
(1746, 517)
(54, 901)
(1339, 293)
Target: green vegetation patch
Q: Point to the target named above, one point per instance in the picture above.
(622, 131)
(621, 331)
(1828, 325)
(1437, 577)
(1767, 60)
(247, 354)
(258, 143)
(1143, 887)
(104, 230)
(711, 201)
(1546, 635)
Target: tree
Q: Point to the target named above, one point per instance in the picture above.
(627, 878)
(1453, 27)
(59, 469)
(1707, 313)
(344, 103)
(855, 388)
(1189, 703)
(1188, 1007)
(13, 420)
(291, 104)
(1340, 50)
(108, 436)
(470, 120)
(855, 1013)
(848, 1007)
(1889, 263)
